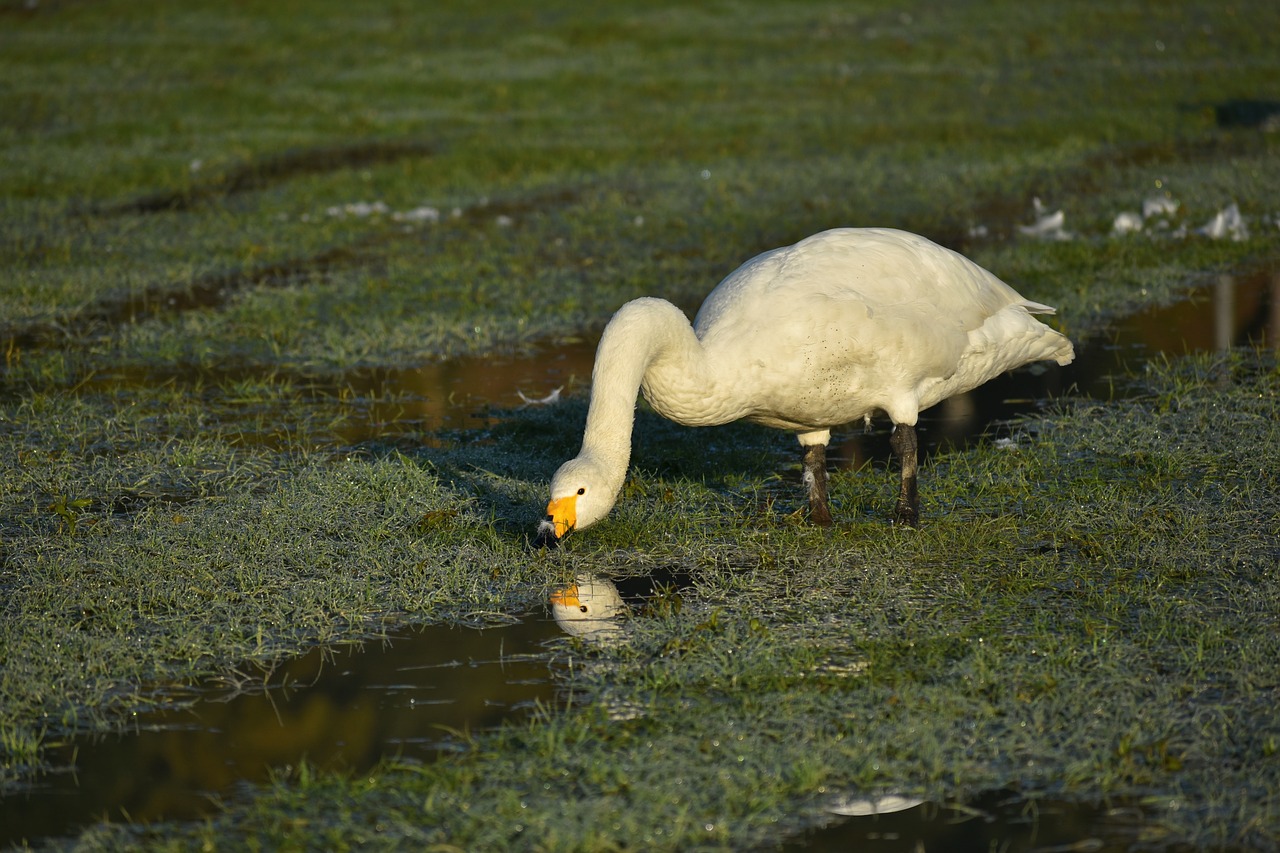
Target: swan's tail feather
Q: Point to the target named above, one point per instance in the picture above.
(1065, 353)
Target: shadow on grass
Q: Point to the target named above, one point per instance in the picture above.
(266, 171)
(527, 446)
(215, 289)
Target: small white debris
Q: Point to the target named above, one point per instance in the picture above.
(1048, 226)
(1127, 222)
(978, 231)
(504, 221)
(855, 668)
(620, 711)
(197, 165)
(1159, 205)
(417, 214)
(1006, 444)
(1228, 223)
(358, 209)
(550, 399)
(367, 209)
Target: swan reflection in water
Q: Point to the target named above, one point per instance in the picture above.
(864, 806)
(590, 607)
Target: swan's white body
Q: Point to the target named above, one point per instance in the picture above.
(843, 325)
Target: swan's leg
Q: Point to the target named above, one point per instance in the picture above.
(815, 477)
(903, 442)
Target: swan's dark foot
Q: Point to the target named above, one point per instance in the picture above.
(903, 442)
(815, 477)
(820, 514)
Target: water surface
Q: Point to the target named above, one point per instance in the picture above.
(408, 696)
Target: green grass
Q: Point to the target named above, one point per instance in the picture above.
(180, 312)
(1086, 616)
(141, 167)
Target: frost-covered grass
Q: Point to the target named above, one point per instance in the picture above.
(576, 159)
(211, 215)
(1088, 614)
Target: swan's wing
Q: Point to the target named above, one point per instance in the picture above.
(881, 268)
(853, 295)
(853, 320)
(737, 292)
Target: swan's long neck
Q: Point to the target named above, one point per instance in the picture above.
(648, 343)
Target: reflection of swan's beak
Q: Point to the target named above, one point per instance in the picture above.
(590, 608)
(565, 596)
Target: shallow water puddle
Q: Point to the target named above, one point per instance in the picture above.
(369, 404)
(404, 696)
(343, 709)
(996, 821)
(463, 393)
(474, 392)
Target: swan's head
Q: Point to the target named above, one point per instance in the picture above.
(581, 495)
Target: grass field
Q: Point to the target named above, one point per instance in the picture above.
(213, 217)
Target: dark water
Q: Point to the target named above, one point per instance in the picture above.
(998, 821)
(342, 709)
(406, 697)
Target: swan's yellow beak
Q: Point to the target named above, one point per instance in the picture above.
(566, 596)
(562, 515)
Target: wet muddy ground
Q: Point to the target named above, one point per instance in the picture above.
(416, 693)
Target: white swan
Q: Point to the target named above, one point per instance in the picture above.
(843, 325)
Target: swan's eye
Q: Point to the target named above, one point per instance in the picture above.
(583, 608)
(582, 491)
